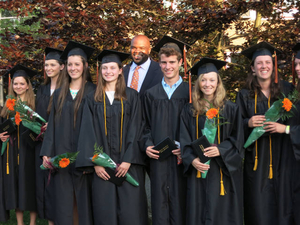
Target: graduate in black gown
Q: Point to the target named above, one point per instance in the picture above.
(162, 107)
(72, 187)
(112, 119)
(44, 184)
(262, 158)
(18, 160)
(289, 183)
(218, 198)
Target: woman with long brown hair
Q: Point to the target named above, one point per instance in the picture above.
(216, 199)
(72, 192)
(53, 67)
(18, 159)
(261, 165)
(112, 119)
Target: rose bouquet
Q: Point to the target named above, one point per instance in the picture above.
(61, 161)
(102, 159)
(280, 109)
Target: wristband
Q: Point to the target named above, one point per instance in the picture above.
(287, 129)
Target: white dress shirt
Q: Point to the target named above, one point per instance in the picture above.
(142, 73)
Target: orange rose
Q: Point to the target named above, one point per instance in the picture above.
(18, 118)
(94, 157)
(64, 162)
(287, 104)
(10, 103)
(212, 113)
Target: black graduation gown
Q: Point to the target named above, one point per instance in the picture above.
(168, 185)
(19, 183)
(289, 182)
(44, 188)
(61, 137)
(205, 205)
(260, 192)
(125, 204)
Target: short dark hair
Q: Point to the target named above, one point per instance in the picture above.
(168, 52)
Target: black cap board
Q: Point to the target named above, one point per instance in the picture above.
(20, 71)
(169, 42)
(206, 65)
(75, 48)
(107, 56)
(53, 53)
(262, 48)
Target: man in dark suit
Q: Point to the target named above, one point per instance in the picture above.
(149, 71)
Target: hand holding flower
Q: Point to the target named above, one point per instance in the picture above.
(200, 166)
(256, 121)
(46, 162)
(122, 169)
(100, 171)
(274, 127)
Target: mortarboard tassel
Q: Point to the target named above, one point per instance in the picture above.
(9, 80)
(7, 152)
(184, 62)
(271, 166)
(44, 66)
(222, 188)
(276, 72)
(293, 69)
(97, 74)
(190, 86)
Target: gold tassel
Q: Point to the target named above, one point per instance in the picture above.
(197, 134)
(256, 157)
(7, 152)
(104, 112)
(271, 166)
(222, 189)
(121, 124)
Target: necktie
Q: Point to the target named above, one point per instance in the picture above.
(135, 78)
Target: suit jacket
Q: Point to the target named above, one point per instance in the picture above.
(153, 76)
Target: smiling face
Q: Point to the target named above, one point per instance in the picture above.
(297, 67)
(75, 67)
(170, 66)
(53, 68)
(140, 49)
(20, 86)
(110, 72)
(208, 84)
(263, 67)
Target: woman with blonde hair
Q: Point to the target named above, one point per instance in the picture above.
(18, 159)
(215, 197)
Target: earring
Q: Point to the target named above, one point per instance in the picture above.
(253, 73)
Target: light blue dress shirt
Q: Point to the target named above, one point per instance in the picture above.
(170, 90)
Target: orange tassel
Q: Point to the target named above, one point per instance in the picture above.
(190, 86)
(276, 72)
(293, 69)
(97, 72)
(256, 157)
(184, 62)
(198, 174)
(44, 66)
(9, 80)
(7, 152)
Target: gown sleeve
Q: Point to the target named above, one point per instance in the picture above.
(231, 148)
(186, 138)
(131, 154)
(48, 142)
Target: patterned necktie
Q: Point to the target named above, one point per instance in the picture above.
(135, 78)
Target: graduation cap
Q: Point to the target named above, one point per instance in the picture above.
(75, 48)
(207, 65)
(296, 55)
(19, 71)
(52, 53)
(107, 56)
(169, 42)
(263, 48)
